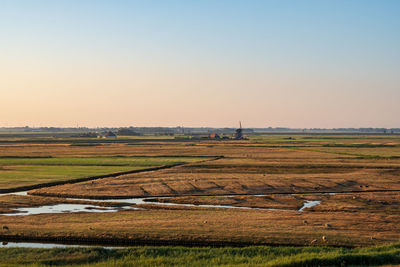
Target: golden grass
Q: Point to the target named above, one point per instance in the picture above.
(241, 176)
(212, 226)
(264, 166)
(376, 202)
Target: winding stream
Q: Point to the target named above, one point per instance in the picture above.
(68, 207)
(65, 208)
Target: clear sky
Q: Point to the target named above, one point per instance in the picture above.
(272, 63)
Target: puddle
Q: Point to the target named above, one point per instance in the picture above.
(147, 200)
(22, 193)
(205, 206)
(309, 204)
(64, 208)
(67, 208)
(5, 244)
(129, 201)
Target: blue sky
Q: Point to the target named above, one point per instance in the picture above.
(193, 63)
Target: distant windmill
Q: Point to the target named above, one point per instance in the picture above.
(239, 132)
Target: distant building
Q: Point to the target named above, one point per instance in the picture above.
(109, 134)
(214, 136)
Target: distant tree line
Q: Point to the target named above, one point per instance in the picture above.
(179, 130)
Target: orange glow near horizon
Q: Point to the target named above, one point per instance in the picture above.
(131, 64)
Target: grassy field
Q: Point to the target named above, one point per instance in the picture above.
(196, 225)
(180, 256)
(267, 171)
(261, 171)
(25, 171)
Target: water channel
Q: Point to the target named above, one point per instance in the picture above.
(67, 208)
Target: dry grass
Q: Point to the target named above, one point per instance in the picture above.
(274, 201)
(243, 176)
(377, 202)
(210, 226)
(263, 166)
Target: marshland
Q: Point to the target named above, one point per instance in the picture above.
(324, 198)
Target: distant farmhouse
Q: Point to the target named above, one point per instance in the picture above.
(108, 135)
(214, 136)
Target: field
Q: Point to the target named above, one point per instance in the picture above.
(181, 256)
(19, 172)
(237, 193)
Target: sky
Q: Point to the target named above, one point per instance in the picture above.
(299, 63)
